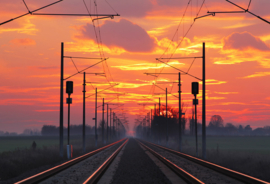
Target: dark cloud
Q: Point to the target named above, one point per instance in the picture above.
(244, 41)
(123, 34)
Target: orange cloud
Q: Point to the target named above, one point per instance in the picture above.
(258, 74)
(226, 93)
(23, 41)
(213, 82)
(26, 27)
(146, 66)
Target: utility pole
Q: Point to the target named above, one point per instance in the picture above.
(113, 125)
(107, 122)
(151, 124)
(155, 113)
(159, 121)
(96, 136)
(166, 120)
(116, 122)
(180, 112)
(110, 124)
(103, 121)
(84, 111)
(203, 106)
(61, 137)
(117, 127)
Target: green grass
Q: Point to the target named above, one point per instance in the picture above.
(11, 143)
(18, 160)
(258, 144)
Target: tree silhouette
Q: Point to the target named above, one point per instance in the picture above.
(216, 121)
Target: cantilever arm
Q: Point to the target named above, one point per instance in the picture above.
(165, 90)
(213, 14)
(84, 69)
(246, 10)
(30, 12)
(179, 70)
(103, 90)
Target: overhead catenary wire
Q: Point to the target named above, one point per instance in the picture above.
(98, 38)
(84, 69)
(31, 12)
(111, 6)
(179, 42)
(26, 6)
(74, 65)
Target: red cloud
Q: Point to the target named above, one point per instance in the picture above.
(23, 41)
(123, 34)
(244, 41)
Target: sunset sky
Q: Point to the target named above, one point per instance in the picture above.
(237, 59)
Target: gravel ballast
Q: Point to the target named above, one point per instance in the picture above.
(78, 173)
(136, 167)
(202, 173)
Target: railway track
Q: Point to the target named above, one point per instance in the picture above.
(189, 169)
(192, 163)
(48, 175)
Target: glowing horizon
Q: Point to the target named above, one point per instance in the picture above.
(237, 60)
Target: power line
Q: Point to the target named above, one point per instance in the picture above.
(30, 12)
(181, 40)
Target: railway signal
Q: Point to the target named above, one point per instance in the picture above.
(195, 91)
(69, 91)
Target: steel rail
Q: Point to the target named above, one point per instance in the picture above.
(52, 171)
(179, 171)
(101, 170)
(223, 170)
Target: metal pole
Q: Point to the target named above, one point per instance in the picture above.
(151, 125)
(196, 127)
(107, 122)
(116, 120)
(113, 125)
(103, 121)
(84, 112)
(117, 128)
(166, 121)
(203, 108)
(180, 112)
(96, 119)
(155, 134)
(61, 137)
(68, 119)
(110, 124)
(159, 122)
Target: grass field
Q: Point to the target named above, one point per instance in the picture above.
(11, 143)
(258, 144)
(246, 154)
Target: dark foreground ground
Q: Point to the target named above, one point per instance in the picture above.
(136, 167)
